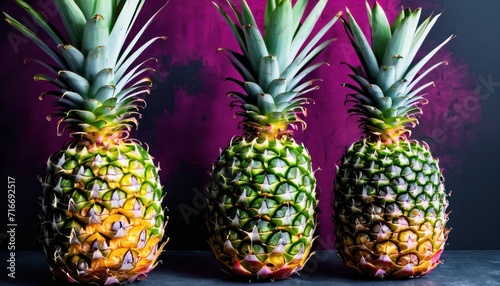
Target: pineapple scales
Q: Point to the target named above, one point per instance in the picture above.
(262, 198)
(390, 201)
(102, 220)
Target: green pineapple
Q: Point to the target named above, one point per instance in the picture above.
(390, 201)
(262, 195)
(102, 221)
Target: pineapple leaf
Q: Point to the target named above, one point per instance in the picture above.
(306, 28)
(397, 89)
(73, 57)
(298, 12)
(384, 103)
(239, 62)
(73, 19)
(87, 7)
(78, 83)
(359, 97)
(95, 34)
(104, 77)
(96, 61)
(39, 42)
(237, 13)
(241, 98)
(256, 46)
(277, 86)
(265, 103)
(237, 31)
(106, 9)
(419, 37)
(130, 93)
(400, 43)
(303, 60)
(90, 104)
(362, 46)
(124, 22)
(306, 84)
(270, 7)
(422, 75)
(251, 107)
(73, 97)
(268, 71)
(127, 58)
(237, 81)
(105, 92)
(51, 68)
(53, 33)
(414, 70)
(133, 73)
(247, 15)
(65, 104)
(84, 115)
(416, 91)
(386, 77)
(44, 77)
(278, 33)
(397, 21)
(381, 30)
(296, 80)
(253, 89)
(131, 59)
(285, 97)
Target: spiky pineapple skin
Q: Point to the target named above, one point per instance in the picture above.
(102, 218)
(390, 209)
(262, 202)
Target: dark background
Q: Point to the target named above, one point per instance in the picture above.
(188, 118)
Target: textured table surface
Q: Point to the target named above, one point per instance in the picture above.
(460, 267)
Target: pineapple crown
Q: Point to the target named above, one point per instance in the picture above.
(274, 63)
(388, 96)
(97, 87)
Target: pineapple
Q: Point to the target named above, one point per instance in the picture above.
(102, 221)
(262, 196)
(390, 201)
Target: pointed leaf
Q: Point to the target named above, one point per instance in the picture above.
(414, 70)
(279, 34)
(363, 47)
(39, 42)
(277, 86)
(124, 23)
(307, 27)
(95, 34)
(131, 59)
(96, 61)
(104, 77)
(253, 89)
(73, 57)
(255, 45)
(381, 31)
(53, 33)
(73, 19)
(266, 104)
(240, 63)
(78, 83)
(268, 71)
(237, 31)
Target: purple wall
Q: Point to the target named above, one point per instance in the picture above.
(188, 118)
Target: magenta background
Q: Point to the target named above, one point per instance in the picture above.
(188, 118)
